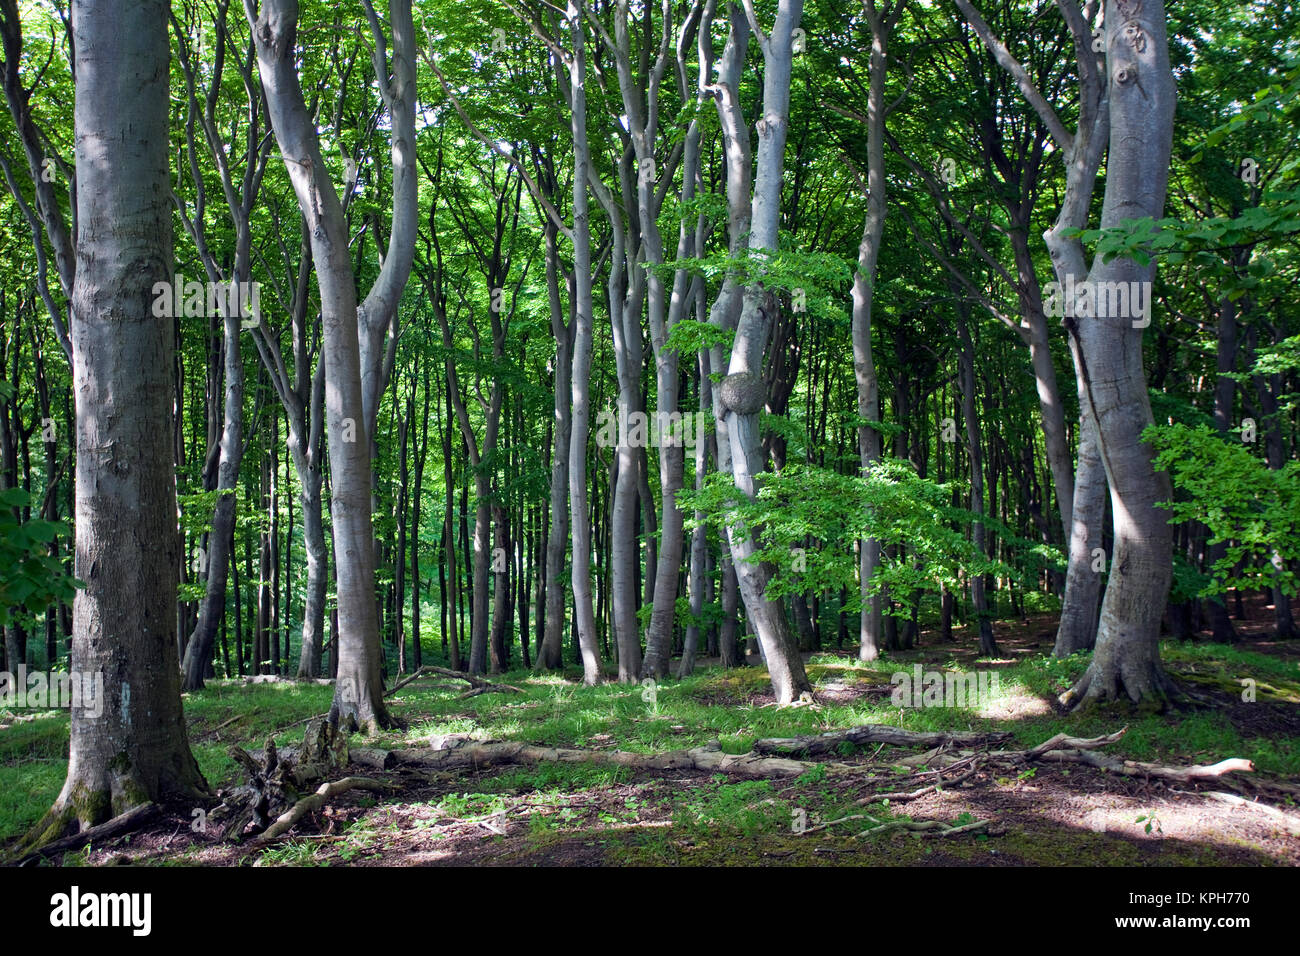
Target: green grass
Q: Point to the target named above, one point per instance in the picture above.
(711, 706)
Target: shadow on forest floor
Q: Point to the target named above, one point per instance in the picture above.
(584, 814)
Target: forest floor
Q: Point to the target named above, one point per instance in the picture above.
(585, 814)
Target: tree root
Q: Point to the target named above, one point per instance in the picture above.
(938, 786)
(926, 827)
(1145, 687)
(276, 779)
(1135, 768)
(120, 825)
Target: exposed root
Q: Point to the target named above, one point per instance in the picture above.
(1135, 768)
(924, 827)
(122, 824)
(1145, 687)
(275, 780)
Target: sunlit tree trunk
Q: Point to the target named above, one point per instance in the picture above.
(132, 748)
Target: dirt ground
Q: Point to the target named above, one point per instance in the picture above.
(1049, 815)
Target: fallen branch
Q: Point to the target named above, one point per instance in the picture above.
(1063, 742)
(312, 802)
(939, 785)
(930, 827)
(122, 824)
(710, 760)
(1135, 768)
(873, 734)
(479, 685)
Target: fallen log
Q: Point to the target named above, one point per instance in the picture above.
(706, 759)
(873, 734)
(120, 825)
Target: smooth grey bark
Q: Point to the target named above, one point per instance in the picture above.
(579, 508)
(1141, 93)
(377, 314)
(1050, 407)
(135, 749)
(699, 554)
(302, 394)
(1077, 630)
(240, 196)
(358, 700)
(975, 454)
(1081, 152)
(640, 96)
(741, 391)
(724, 313)
(627, 291)
(882, 22)
(624, 553)
(550, 655)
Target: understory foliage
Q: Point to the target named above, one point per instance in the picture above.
(1250, 508)
(939, 448)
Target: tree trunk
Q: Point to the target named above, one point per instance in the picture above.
(579, 511)
(974, 448)
(133, 749)
(1078, 626)
(1126, 661)
(864, 281)
(358, 699)
(550, 656)
(742, 389)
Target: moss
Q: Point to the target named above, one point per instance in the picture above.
(130, 793)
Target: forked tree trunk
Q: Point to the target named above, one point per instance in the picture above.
(358, 698)
(133, 749)
(1078, 625)
(1126, 662)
